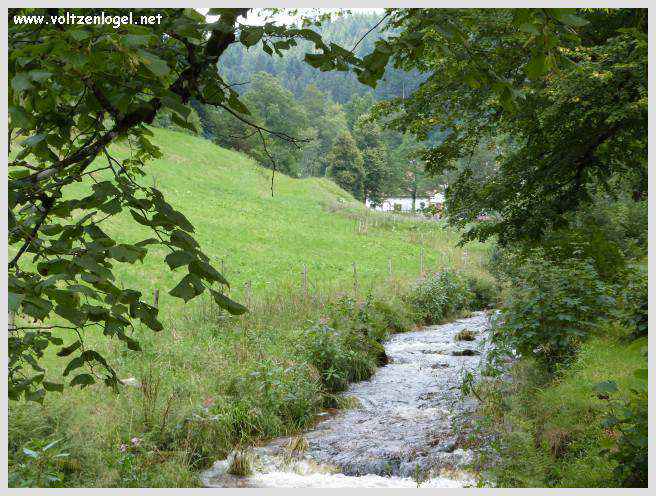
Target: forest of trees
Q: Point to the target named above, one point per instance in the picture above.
(330, 113)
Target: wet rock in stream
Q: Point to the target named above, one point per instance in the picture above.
(400, 433)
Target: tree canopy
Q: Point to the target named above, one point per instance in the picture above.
(569, 89)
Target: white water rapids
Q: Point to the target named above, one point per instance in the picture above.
(400, 434)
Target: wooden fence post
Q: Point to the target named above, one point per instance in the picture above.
(421, 261)
(247, 286)
(156, 298)
(305, 281)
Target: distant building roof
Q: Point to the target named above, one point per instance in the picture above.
(406, 202)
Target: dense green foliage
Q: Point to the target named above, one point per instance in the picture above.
(634, 300)
(584, 295)
(567, 89)
(445, 294)
(345, 30)
(346, 165)
(541, 432)
(552, 308)
(628, 417)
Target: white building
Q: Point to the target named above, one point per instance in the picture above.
(405, 204)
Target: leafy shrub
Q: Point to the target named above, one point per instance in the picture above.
(588, 242)
(610, 233)
(40, 465)
(395, 317)
(484, 293)
(628, 420)
(538, 430)
(267, 396)
(622, 221)
(634, 301)
(552, 308)
(372, 320)
(634, 223)
(339, 356)
(439, 296)
(373, 317)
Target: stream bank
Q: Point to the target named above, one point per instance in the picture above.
(400, 431)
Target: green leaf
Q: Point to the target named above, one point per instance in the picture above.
(154, 64)
(33, 140)
(19, 117)
(530, 28)
(127, 253)
(67, 350)
(183, 240)
(82, 380)
(189, 287)
(179, 258)
(605, 387)
(206, 271)
(53, 386)
(131, 343)
(250, 35)
(36, 307)
(236, 104)
(173, 102)
(188, 125)
(89, 263)
(129, 296)
(140, 218)
(39, 76)
(227, 304)
(15, 300)
(135, 40)
(536, 67)
(147, 314)
(567, 17)
(75, 363)
(72, 314)
(21, 82)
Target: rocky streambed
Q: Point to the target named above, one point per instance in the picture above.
(399, 434)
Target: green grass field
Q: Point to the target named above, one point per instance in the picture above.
(266, 240)
(249, 375)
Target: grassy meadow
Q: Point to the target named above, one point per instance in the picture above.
(209, 382)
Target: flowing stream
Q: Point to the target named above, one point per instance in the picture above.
(399, 434)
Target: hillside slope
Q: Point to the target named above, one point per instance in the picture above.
(266, 240)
